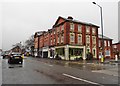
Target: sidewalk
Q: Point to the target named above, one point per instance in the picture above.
(109, 67)
(77, 63)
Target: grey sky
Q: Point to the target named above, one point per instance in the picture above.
(22, 19)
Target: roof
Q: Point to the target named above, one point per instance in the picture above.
(39, 33)
(116, 43)
(104, 37)
(76, 21)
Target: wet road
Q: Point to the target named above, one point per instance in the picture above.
(34, 71)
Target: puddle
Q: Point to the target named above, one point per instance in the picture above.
(83, 65)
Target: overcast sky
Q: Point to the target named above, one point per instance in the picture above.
(21, 19)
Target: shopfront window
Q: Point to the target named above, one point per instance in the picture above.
(60, 51)
(75, 51)
(107, 52)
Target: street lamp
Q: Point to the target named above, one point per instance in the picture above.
(101, 29)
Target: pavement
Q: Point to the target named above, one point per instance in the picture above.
(49, 71)
(109, 66)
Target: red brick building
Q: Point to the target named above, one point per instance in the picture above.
(116, 49)
(37, 43)
(68, 37)
(108, 51)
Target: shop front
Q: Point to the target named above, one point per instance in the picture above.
(69, 52)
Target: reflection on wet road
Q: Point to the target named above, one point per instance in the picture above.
(43, 71)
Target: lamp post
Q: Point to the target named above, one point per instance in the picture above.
(101, 30)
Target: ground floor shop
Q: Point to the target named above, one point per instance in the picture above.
(66, 52)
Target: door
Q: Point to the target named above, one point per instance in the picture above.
(45, 54)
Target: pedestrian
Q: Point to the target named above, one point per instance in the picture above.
(53, 54)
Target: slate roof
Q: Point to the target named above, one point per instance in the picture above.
(76, 21)
(104, 37)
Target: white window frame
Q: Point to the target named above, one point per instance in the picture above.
(93, 30)
(62, 38)
(58, 29)
(51, 41)
(72, 26)
(54, 32)
(54, 40)
(80, 41)
(58, 39)
(87, 50)
(105, 44)
(79, 28)
(87, 36)
(72, 34)
(99, 43)
(108, 43)
(62, 27)
(87, 29)
(106, 51)
(93, 52)
(115, 46)
(94, 42)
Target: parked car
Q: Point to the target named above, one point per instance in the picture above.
(15, 57)
(5, 55)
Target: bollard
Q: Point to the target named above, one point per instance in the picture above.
(22, 56)
(102, 59)
(116, 58)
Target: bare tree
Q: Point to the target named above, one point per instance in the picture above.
(29, 44)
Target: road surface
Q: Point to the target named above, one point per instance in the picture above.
(34, 71)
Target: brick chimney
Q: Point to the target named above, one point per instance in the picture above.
(69, 17)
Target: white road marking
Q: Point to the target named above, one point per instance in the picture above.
(50, 65)
(81, 79)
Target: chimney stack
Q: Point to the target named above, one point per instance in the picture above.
(69, 17)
